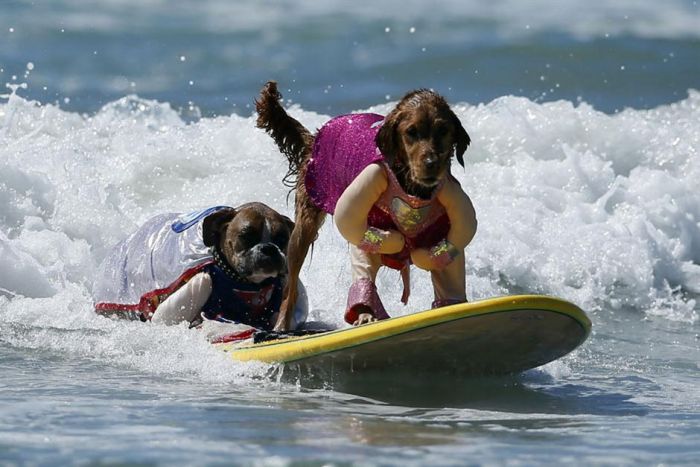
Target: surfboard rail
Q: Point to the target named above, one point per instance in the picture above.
(294, 349)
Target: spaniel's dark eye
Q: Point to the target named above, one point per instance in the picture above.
(412, 132)
(440, 131)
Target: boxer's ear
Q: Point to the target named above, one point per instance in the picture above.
(214, 225)
(289, 223)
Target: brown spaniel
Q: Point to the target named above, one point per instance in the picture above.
(387, 180)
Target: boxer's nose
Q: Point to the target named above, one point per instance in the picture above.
(269, 249)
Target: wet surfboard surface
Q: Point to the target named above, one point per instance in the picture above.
(496, 336)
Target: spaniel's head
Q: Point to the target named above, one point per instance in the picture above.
(419, 137)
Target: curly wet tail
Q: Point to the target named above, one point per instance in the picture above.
(293, 140)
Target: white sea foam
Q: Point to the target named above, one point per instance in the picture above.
(599, 209)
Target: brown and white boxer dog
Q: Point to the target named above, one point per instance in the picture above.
(220, 264)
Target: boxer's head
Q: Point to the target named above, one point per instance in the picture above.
(252, 238)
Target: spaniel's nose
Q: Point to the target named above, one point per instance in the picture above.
(430, 162)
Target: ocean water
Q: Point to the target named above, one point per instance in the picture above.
(584, 169)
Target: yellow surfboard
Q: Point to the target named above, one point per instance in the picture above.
(503, 335)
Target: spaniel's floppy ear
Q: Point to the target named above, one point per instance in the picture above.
(214, 225)
(462, 138)
(387, 139)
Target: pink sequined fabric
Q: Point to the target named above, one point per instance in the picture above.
(443, 254)
(372, 240)
(410, 214)
(364, 292)
(343, 147)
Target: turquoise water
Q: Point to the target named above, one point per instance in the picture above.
(583, 170)
(339, 57)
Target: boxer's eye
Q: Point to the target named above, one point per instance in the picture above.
(248, 238)
(280, 240)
